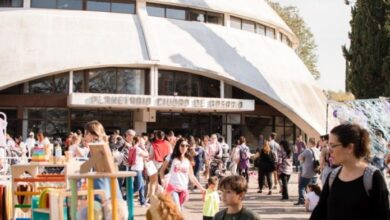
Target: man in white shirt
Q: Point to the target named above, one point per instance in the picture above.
(275, 148)
(30, 143)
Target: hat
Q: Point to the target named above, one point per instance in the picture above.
(31, 134)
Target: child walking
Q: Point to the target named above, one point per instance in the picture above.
(312, 197)
(211, 199)
(233, 192)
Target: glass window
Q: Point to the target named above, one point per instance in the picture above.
(123, 6)
(235, 22)
(182, 84)
(58, 114)
(270, 32)
(70, 4)
(214, 18)
(260, 29)
(165, 82)
(78, 81)
(248, 26)
(102, 80)
(176, 13)
(195, 86)
(154, 10)
(42, 85)
(18, 89)
(98, 5)
(131, 81)
(11, 3)
(43, 4)
(36, 113)
(61, 83)
(195, 15)
(212, 86)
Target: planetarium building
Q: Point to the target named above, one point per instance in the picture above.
(191, 66)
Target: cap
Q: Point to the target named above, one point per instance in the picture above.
(31, 134)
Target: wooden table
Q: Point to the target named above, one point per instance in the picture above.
(73, 178)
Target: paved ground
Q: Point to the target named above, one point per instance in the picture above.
(269, 207)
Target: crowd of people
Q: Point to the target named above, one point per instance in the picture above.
(332, 171)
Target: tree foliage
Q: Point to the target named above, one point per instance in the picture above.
(307, 46)
(368, 57)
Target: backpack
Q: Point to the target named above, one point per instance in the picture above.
(244, 159)
(316, 163)
(132, 156)
(367, 177)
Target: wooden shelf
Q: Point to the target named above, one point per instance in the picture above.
(40, 179)
(20, 193)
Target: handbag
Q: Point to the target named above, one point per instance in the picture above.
(150, 168)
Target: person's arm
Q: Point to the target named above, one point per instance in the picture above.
(194, 180)
(322, 159)
(379, 195)
(307, 201)
(301, 156)
(320, 211)
(162, 171)
(143, 152)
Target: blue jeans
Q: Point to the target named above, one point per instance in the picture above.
(176, 199)
(139, 185)
(104, 184)
(303, 182)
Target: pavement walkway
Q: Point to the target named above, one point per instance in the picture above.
(267, 206)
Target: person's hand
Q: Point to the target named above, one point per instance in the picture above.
(202, 190)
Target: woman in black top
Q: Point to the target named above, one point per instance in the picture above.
(266, 165)
(346, 196)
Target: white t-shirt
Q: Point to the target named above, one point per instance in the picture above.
(179, 172)
(139, 160)
(313, 200)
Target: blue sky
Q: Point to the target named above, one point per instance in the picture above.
(329, 22)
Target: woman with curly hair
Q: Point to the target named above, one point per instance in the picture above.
(180, 172)
(163, 208)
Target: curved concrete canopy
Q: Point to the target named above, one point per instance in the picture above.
(50, 41)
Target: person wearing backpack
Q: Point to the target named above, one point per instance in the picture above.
(355, 190)
(310, 167)
(137, 155)
(245, 154)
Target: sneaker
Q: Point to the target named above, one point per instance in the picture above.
(260, 191)
(270, 193)
(299, 203)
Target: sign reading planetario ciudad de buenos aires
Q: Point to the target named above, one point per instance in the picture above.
(159, 102)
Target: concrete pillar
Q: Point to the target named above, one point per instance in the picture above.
(70, 82)
(139, 126)
(26, 3)
(222, 89)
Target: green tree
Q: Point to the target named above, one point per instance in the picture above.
(307, 46)
(368, 56)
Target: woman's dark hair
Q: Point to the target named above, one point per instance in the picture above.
(356, 135)
(176, 150)
(286, 147)
(315, 188)
(192, 141)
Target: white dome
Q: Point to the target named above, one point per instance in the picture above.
(43, 42)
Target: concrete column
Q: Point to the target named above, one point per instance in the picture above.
(70, 82)
(26, 3)
(229, 135)
(222, 88)
(139, 127)
(226, 20)
(153, 81)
